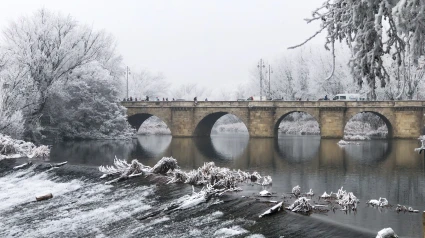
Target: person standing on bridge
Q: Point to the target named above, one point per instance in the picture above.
(147, 98)
(195, 100)
(326, 97)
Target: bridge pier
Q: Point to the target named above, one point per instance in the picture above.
(261, 122)
(331, 122)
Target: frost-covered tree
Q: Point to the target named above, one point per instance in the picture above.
(189, 91)
(87, 105)
(46, 54)
(145, 83)
(373, 30)
(11, 119)
(302, 74)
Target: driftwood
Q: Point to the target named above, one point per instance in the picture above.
(276, 208)
(23, 166)
(57, 165)
(44, 197)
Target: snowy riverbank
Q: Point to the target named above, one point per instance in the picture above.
(12, 148)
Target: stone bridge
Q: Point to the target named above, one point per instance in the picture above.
(404, 119)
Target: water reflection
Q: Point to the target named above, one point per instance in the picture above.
(152, 146)
(373, 169)
(91, 152)
(369, 151)
(298, 148)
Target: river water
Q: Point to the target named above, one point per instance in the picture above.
(83, 206)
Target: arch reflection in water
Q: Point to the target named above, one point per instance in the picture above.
(368, 152)
(298, 148)
(152, 146)
(229, 147)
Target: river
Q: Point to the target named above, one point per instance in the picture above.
(83, 206)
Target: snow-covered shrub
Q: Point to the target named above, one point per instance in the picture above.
(302, 205)
(12, 148)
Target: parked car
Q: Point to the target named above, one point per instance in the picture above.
(349, 97)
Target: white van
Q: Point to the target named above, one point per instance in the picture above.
(349, 97)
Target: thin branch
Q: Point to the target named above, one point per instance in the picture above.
(311, 37)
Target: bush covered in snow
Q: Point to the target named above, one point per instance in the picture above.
(11, 148)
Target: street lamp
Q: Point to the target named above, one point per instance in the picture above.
(127, 73)
(270, 71)
(261, 66)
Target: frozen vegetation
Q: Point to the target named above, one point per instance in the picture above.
(154, 126)
(11, 148)
(63, 83)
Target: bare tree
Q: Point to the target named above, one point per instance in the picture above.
(189, 91)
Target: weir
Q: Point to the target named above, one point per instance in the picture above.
(404, 119)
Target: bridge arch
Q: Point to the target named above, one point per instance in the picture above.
(205, 123)
(386, 117)
(280, 118)
(137, 120)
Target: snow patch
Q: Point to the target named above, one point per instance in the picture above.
(228, 232)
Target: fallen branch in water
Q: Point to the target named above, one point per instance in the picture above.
(23, 166)
(276, 208)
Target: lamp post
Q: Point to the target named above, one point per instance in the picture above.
(270, 71)
(127, 73)
(261, 66)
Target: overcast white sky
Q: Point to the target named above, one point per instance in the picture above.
(213, 43)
